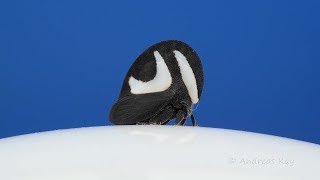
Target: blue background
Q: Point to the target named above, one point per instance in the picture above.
(62, 63)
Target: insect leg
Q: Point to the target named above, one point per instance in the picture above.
(194, 122)
(183, 122)
(166, 122)
(180, 118)
(164, 117)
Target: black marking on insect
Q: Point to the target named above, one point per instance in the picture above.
(163, 83)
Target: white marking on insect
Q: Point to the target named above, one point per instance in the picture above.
(161, 82)
(188, 76)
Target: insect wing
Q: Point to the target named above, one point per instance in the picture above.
(138, 108)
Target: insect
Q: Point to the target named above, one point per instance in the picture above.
(164, 83)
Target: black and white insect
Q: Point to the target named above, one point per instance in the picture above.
(164, 83)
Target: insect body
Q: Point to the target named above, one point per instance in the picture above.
(163, 83)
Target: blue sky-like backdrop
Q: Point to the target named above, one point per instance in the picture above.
(62, 63)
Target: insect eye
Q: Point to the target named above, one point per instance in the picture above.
(183, 103)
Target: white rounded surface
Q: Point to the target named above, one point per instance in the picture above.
(156, 152)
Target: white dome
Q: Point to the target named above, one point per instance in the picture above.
(156, 152)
